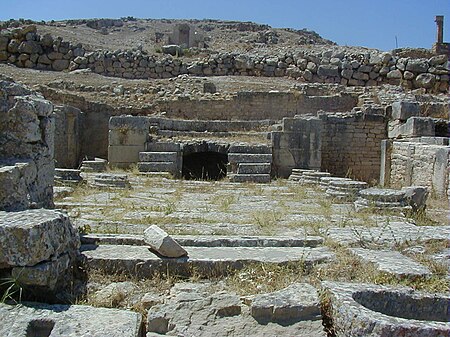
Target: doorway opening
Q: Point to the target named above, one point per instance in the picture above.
(205, 166)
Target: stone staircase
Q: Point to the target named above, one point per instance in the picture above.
(250, 163)
(161, 157)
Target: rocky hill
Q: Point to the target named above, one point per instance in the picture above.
(150, 34)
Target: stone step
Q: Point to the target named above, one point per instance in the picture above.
(67, 175)
(158, 156)
(249, 158)
(205, 261)
(110, 180)
(157, 167)
(250, 178)
(254, 168)
(207, 241)
(247, 148)
(163, 147)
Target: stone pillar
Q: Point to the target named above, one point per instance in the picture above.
(440, 28)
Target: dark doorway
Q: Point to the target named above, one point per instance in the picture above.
(205, 166)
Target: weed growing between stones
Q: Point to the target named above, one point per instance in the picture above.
(10, 290)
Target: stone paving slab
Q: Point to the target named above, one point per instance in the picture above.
(208, 241)
(392, 262)
(391, 234)
(140, 261)
(34, 319)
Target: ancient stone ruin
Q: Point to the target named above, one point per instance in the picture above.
(292, 191)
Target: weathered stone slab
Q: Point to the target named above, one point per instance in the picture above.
(110, 180)
(249, 158)
(254, 168)
(124, 153)
(297, 302)
(138, 260)
(392, 262)
(393, 233)
(208, 241)
(34, 319)
(371, 310)
(255, 178)
(163, 243)
(32, 236)
(402, 110)
(158, 156)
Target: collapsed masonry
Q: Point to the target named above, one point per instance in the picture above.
(39, 245)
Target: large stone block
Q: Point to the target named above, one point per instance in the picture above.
(402, 110)
(163, 243)
(35, 319)
(129, 123)
(124, 154)
(33, 236)
(128, 137)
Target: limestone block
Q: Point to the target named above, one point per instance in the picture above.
(15, 179)
(124, 154)
(128, 137)
(159, 156)
(68, 321)
(297, 302)
(32, 236)
(44, 274)
(60, 65)
(402, 110)
(327, 70)
(163, 243)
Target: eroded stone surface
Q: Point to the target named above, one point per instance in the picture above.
(370, 310)
(68, 321)
(193, 310)
(298, 302)
(163, 243)
(32, 236)
(392, 262)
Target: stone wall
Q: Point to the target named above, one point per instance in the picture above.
(351, 145)
(422, 161)
(26, 148)
(25, 48)
(258, 105)
(346, 144)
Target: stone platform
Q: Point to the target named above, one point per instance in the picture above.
(43, 320)
(207, 261)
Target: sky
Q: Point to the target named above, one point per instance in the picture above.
(381, 24)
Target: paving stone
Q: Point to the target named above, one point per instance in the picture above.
(371, 310)
(208, 241)
(139, 260)
(33, 319)
(392, 262)
(198, 309)
(297, 302)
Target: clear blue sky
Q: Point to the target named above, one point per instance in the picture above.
(369, 23)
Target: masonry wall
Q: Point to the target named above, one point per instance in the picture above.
(257, 106)
(415, 163)
(351, 145)
(23, 47)
(26, 149)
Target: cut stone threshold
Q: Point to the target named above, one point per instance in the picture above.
(36, 319)
(203, 261)
(207, 240)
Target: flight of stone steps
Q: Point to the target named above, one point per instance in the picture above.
(250, 163)
(161, 157)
